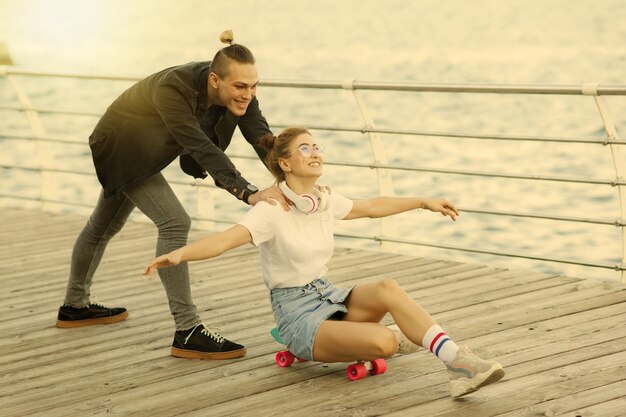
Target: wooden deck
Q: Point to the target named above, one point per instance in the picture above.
(561, 340)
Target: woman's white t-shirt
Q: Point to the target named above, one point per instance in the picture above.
(294, 247)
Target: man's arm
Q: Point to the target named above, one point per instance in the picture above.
(253, 126)
(177, 115)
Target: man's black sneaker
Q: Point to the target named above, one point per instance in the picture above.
(200, 343)
(87, 316)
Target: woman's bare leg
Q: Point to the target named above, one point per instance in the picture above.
(344, 341)
(359, 336)
(371, 301)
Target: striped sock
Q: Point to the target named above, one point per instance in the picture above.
(438, 342)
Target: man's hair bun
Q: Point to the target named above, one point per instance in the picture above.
(227, 37)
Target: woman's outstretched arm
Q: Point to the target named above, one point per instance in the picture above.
(205, 248)
(387, 206)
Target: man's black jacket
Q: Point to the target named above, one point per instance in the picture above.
(166, 115)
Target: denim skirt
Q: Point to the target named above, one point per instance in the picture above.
(299, 311)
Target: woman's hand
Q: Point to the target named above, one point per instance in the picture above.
(442, 206)
(163, 261)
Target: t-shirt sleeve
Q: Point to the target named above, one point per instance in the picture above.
(341, 205)
(260, 221)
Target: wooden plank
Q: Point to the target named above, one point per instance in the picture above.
(407, 377)
(521, 318)
(571, 405)
(613, 408)
(552, 381)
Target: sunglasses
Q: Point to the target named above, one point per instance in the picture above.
(307, 150)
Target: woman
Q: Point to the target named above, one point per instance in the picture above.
(317, 320)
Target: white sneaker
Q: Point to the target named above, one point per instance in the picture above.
(405, 346)
(468, 373)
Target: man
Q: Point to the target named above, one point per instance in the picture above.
(192, 111)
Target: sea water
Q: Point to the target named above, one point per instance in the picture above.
(491, 42)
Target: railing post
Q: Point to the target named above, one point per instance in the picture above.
(205, 208)
(385, 183)
(5, 57)
(49, 189)
(618, 152)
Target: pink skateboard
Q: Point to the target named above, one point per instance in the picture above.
(355, 371)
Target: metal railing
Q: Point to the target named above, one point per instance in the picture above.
(379, 164)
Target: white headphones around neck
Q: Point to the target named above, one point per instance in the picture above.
(306, 203)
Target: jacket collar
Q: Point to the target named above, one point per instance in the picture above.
(203, 94)
(225, 127)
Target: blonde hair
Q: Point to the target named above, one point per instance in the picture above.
(278, 147)
(227, 37)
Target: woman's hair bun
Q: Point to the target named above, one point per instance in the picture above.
(267, 141)
(227, 37)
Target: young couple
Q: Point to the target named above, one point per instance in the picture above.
(317, 320)
(191, 111)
